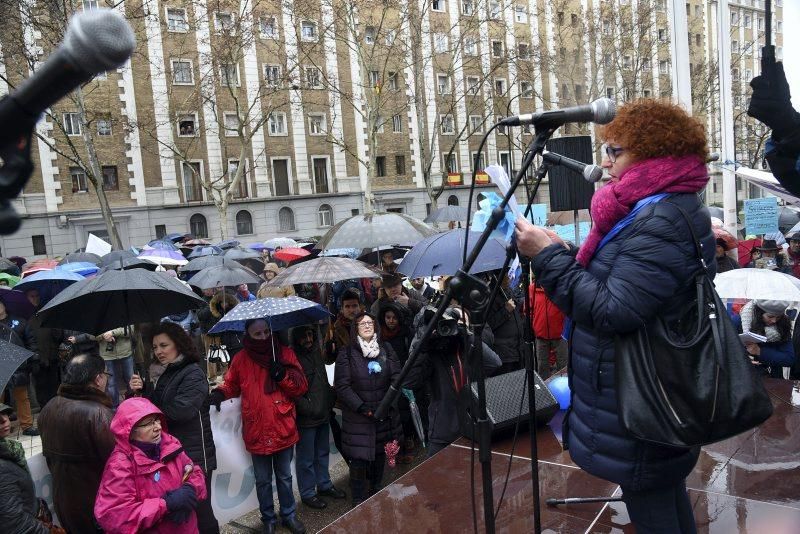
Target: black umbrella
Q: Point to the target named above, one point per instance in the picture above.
(131, 263)
(114, 256)
(373, 257)
(247, 257)
(11, 357)
(8, 266)
(374, 230)
(204, 262)
(323, 270)
(227, 274)
(76, 257)
(447, 214)
(118, 298)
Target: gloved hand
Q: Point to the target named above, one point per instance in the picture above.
(215, 398)
(179, 516)
(182, 498)
(771, 102)
(277, 370)
(365, 411)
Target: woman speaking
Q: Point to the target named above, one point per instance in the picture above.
(638, 262)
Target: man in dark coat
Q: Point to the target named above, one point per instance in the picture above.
(507, 326)
(392, 290)
(313, 415)
(44, 342)
(77, 440)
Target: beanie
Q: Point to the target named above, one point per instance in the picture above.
(775, 307)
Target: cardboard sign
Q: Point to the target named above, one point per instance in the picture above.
(761, 216)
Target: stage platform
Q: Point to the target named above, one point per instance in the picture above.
(747, 484)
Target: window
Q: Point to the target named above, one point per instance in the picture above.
(277, 123)
(308, 32)
(229, 74)
(161, 231)
(526, 89)
(443, 84)
(440, 43)
(285, 220)
(317, 124)
(391, 81)
(626, 62)
(269, 28)
(478, 160)
(110, 178)
(187, 125)
(662, 35)
(779, 26)
(573, 20)
(698, 11)
(497, 48)
(663, 66)
(369, 35)
(735, 73)
(475, 124)
(325, 215)
(494, 9)
(192, 184)
(523, 51)
(177, 20)
(505, 162)
(244, 223)
(223, 22)
(647, 93)
(451, 163)
(519, 13)
(760, 23)
(452, 200)
(499, 86)
(473, 85)
(72, 123)
(374, 78)
(734, 18)
(280, 176)
(437, 5)
(646, 63)
(397, 124)
(241, 187)
(748, 21)
(231, 124)
(400, 165)
(380, 166)
(390, 35)
(470, 47)
(610, 93)
(608, 61)
(698, 39)
(104, 126)
(735, 47)
(560, 17)
(313, 77)
(182, 72)
(272, 75)
(78, 178)
(467, 7)
(448, 124)
(198, 226)
(90, 4)
(39, 246)
(320, 170)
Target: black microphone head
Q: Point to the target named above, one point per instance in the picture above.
(604, 110)
(593, 173)
(714, 156)
(98, 40)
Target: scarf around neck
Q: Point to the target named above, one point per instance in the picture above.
(262, 352)
(151, 450)
(772, 333)
(14, 451)
(613, 201)
(370, 349)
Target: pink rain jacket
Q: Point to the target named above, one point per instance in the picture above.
(130, 496)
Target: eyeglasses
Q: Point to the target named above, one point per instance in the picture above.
(149, 424)
(611, 152)
(366, 323)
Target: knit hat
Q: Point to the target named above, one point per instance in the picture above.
(5, 408)
(775, 307)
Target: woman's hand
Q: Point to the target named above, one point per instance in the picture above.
(136, 383)
(532, 239)
(753, 349)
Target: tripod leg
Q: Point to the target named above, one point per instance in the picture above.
(581, 500)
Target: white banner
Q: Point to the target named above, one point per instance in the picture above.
(233, 488)
(95, 245)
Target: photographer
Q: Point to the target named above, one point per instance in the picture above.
(444, 365)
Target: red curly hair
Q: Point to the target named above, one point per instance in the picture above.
(649, 128)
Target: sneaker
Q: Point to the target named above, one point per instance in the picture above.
(314, 502)
(32, 431)
(332, 492)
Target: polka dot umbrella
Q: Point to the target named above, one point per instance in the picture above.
(280, 314)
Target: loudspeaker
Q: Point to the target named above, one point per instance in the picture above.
(503, 394)
(569, 190)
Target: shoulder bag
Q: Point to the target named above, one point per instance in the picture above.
(689, 381)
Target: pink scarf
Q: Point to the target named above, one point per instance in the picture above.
(613, 201)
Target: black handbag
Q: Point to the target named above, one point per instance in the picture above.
(688, 381)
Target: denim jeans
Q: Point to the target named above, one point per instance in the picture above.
(125, 366)
(661, 511)
(263, 465)
(311, 463)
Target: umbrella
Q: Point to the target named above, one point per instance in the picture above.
(290, 254)
(196, 242)
(11, 357)
(375, 229)
(9, 266)
(280, 313)
(80, 257)
(175, 237)
(441, 254)
(416, 418)
(323, 270)
(114, 256)
(227, 274)
(38, 265)
(257, 246)
(49, 283)
(374, 256)
(352, 253)
(746, 248)
(161, 244)
(131, 263)
(730, 241)
(447, 214)
(230, 243)
(763, 284)
(787, 218)
(16, 303)
(118, 298)
(10, 279)
(241, 254)
(81, 267)
(717, 212)
(163, 257)
(280, 242)
(203, 262)
(205, 250)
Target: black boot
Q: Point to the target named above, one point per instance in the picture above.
(376, 474)
(358, 483)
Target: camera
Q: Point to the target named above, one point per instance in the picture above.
(448, 325)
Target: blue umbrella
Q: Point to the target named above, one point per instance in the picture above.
(441, 254)
(174, 237)
(280, 314)
(206, 250)
(49, 283)
(163, 244)
(256, 246)
(351, 253)
(230, 243)
(83, 268)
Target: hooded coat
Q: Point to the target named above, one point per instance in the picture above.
(220, 304)
(274, 291)
(314, 407)
(18, 503)
(356, 386)
(130, 498)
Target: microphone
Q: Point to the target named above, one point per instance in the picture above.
(601, 111)
(591, 173)
(96, 40)
(714, 156)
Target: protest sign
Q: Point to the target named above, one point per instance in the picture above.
(761, 215)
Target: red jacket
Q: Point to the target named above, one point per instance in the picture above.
(547, 321)
(268, 419)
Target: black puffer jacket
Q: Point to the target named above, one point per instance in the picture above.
(182, 394)
(313, 408)
(14, 330)
(356, 386)
(18, 503)
(507, 327)
(648, 268)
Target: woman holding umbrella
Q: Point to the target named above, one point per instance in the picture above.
(14, 330)
(181, 393)
(724, 262)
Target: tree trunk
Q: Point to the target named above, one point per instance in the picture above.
(222, 212)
